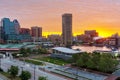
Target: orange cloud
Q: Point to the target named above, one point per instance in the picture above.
(101, 15)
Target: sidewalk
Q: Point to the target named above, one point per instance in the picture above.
(2, 77)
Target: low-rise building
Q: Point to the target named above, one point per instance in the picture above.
(63, 53)
(113, 53)
(88, 36)
(55, 38)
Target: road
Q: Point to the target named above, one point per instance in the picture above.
(6, 63)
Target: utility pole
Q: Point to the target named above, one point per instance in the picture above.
(0, 62)
(22, 68)
(76, 74)
(34, 71)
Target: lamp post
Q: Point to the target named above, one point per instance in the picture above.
(76, 74)
(24, 60)
(0, 62)
(21, 68)
(34, 71)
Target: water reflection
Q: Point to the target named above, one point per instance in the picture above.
(90, 48)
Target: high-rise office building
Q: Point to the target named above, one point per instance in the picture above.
(9, 29)
(36, 33)
(67, 29)
(16, 26)
(1, 33)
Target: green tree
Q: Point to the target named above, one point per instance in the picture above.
(39, 50)
(96, 59)
(23, 51)
(34, 51)
(102, 64)
(42, 78)
(107, 63)
(80, 62)
(75, 57)
(90, 64)
(25, 75)
(28, 50)
(42, 51)
(13, 71)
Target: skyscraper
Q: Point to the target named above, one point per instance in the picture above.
(67, 29)
(9, 29)
(16, 26)
(36, 32)
(1, 33)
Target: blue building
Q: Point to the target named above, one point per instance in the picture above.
(16, 26)
(8, 29)
(11, 31)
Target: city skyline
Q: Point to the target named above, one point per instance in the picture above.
(100, 15)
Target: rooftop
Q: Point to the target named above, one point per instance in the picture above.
(16, 46)
(66, 50)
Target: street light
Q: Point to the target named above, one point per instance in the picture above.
(76, 74)
(24, 60)
(34, 71)
(22, 68)
(0, 62)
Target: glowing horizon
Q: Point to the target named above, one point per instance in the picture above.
(100, 15)
(75, 34)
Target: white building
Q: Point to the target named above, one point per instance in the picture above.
(63, 53)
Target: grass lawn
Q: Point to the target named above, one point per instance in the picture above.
(53, 60)
(9, 77)
(34, 62)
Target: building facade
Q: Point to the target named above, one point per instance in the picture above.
(64, 53)
(56, 39)
(91, 33)
(24, 31)
(10, 31)
(67, 29)
(36, 33)
(1, 34)
(16, 26)
(24, 35)
(88, 36)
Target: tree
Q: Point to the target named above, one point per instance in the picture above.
(107, 63)
(42, 51)
(80, 62)
(75, 57)
(25, 75)
(83, 58)
(104, 62)
(34, 51)
(28, 50)
(42, 78)
(90, 64)
(13, 71)
(96, 60)
(23, 51)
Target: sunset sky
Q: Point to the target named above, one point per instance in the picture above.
(100, 15)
